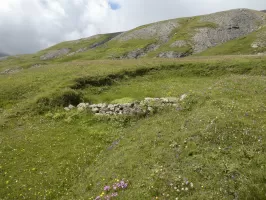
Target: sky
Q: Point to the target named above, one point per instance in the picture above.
(27, 26)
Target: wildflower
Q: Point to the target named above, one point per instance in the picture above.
(107, 188)
(186, 189)
(115, 194)
(175, 188)
(97, 198)
(191, 185)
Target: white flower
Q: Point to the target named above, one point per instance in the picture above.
(186, 189)
(191, 185)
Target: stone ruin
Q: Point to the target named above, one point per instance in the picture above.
(146, 106)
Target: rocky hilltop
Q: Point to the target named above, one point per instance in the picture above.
(170, 39)
(238, 31)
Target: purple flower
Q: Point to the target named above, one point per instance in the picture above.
(97, 198)
(107, 197)
(114, 194)
(107, 188)
(123, 184)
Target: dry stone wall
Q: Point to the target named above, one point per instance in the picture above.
(146, 106)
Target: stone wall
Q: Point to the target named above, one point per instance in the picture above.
(146, 106)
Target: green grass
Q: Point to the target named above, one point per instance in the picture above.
(79, 44)
(217, 141)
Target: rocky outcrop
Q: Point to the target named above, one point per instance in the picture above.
(159, 30)
(94, 45)
(141, 52)
(147, 106)
(179, 43)
(230, 25)
(55, 54)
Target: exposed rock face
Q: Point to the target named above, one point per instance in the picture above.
(95, 45)
(141, 52)
(159, 30)
(148, 105)
(179, 43)
(231, 24)
(55, 54)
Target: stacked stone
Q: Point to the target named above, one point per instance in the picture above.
(148, 105)
(117, 109)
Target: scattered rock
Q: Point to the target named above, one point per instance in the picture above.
(172, 54)
(36, 66)
(82, 106)
(11, 71)
(254, 45)
(182, 98)
(67, 109)
(141, 52)
(70, 107)
(55, 54)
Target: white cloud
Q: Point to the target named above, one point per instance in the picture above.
(27, 26)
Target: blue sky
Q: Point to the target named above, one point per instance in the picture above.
(114, 5)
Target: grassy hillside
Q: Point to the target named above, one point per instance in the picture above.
(239, 31)
(213, 148)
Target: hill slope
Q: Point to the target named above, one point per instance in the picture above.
(210, 144)
(181, 37)
(211, 147)
(167, 39)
